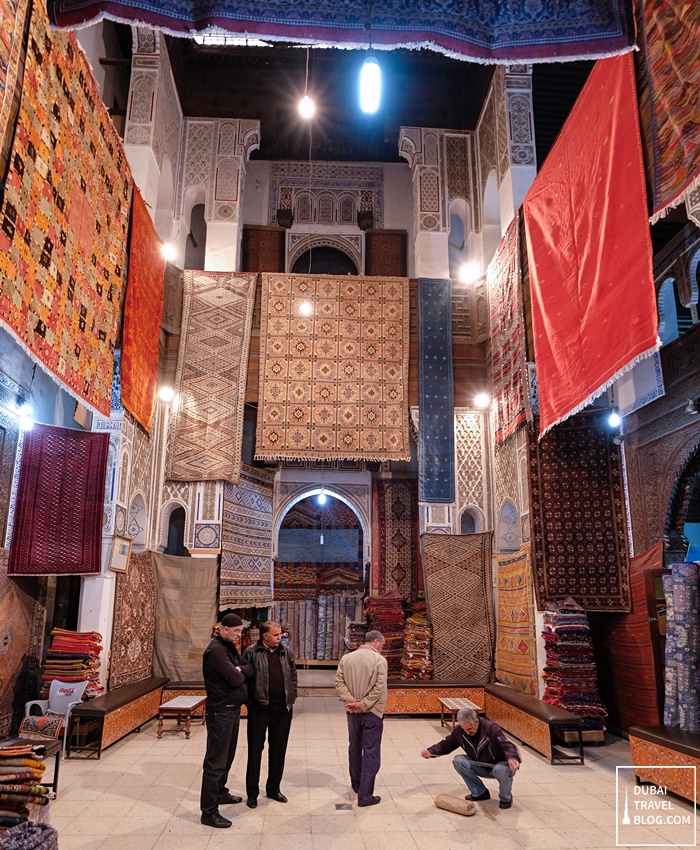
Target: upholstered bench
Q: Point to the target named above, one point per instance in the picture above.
(106, 719)
(532, 721)
(411, 696)
(654, 747)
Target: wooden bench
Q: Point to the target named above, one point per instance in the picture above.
(191, 689)
(423, 697)
(106, 719)
(532, 721)
(654, 747)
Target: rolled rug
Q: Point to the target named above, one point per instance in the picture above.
(455, 804)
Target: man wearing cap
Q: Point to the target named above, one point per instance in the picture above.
(225, 680)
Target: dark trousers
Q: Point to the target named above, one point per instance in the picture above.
(365, 752)
(274, 721)
(222, 737)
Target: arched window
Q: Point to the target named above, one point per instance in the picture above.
(674, 318)
(176, 533)
(324, 260)
(508, 533)
(467, 524)
(196, 245)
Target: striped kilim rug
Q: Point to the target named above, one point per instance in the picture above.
(131, 653)
(516, 642)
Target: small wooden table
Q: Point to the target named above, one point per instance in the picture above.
(453, 705)
(182, 708)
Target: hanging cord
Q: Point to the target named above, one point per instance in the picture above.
(311, 166)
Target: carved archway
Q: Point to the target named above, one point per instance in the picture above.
(686, 484)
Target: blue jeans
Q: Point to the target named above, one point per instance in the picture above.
(472, 773)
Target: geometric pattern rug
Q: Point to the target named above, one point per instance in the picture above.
(395, 529)
(217, 314)
(13, 17)
(516, 642)
(131, 655)
(459, 594)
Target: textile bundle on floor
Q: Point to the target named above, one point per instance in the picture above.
(73, 657)
(185, 615)
(436, 441)
(459, 594)
(589, 249)
(516, 642)
(30, 836)
(334, 383)
(682, 703)
(579, 552)
(135, 597)
(246, 540)
(58, 514)
(13, 17)
(217, 314)
(143, 314)
(64, 219)
(396, 546)
(21, 774)
(417, 660)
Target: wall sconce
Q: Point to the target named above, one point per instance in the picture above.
(285, 218)
(693, 407)
(365, 219)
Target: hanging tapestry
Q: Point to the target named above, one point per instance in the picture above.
(579, 531)
(671, 674)
(64, 219)
(9, 444)
(683, 644)
(516, 642)
(459, 595)
(58, 515)
(22, 615)
(395, 529)
(13, 17)
(641, 385)
(334, 368)
(507, 335)
(185, 615)
(436, 440)
(589, 249)
(131, 654)
(246, 540)
(143, 313)
(212, 369)
(515, 32)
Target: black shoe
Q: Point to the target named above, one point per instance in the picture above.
(484, 796)
(229, 799)
(371, 802)
(505, 804)
(278, 796)
(216, 820)
(252, 802)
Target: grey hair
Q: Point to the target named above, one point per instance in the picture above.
(373, 635)
(467, 715)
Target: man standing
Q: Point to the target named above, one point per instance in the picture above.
(488, 753)
(273, 693)
(225, 675)
(361, 682)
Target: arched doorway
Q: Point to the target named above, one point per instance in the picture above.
(324, 260)
(683, 521)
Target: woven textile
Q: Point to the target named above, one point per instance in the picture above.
(515, 32)
(13, 17)
(143, 313)
(335, 382)
(671, 674)
(217, 314)
(131, 656)
(58, 515)
(246, 540)
(64, 219)
(516, 643)
(685, 646)
(579, 532)
(185, 615)
(593, 300)
(459, 594)
(507, 335)
(396, 546)
(436, 441)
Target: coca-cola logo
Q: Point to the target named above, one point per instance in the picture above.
(66, 691)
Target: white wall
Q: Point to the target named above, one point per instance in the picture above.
(256, 193)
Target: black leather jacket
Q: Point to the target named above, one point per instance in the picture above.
(226, 686)
(256, 656)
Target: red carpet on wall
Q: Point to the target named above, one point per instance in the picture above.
(396, 545)
(13, 18)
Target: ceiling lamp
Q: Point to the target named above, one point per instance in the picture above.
(166, 393)
(370, 84)
(614, 419)
(305, 308)
(169, 252)
(482, 400)
(26, 420)
(470, 272)
(322, 497)
(307, 108)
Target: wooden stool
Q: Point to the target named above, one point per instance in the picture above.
(453, 705)
(180, 707)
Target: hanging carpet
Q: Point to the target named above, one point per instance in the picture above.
(396, 545)
(13, 18)
(589, 249)
(212, 369)
(334, 383)
(459, 594)
(58, 516)
(64, 219)
(516, 642)
(682, 706)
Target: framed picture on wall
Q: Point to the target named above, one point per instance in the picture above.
(121, 552)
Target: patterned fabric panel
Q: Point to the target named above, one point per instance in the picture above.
(131, 656)
(425, 700)
(678, 781)
(395, 529)
(13, 17)
(516, 643)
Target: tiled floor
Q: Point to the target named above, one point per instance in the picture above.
(144, 794)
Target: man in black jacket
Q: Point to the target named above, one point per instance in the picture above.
(225, 679)
(488, 753)
(273, 693)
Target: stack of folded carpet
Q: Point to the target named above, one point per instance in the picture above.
(21, 772)
(570, 673)
(29, 836)
(417, 661)
(354, 634)
(73, 657)
(385, 613)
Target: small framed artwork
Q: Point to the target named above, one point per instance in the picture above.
(121, 552)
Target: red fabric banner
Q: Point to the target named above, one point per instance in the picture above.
(143, 313)
(589, 250)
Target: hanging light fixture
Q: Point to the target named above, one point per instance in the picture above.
(370, 73)
(307, 108)
(614, 419)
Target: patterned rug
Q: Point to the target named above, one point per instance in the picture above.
(143, 313)
(516, 643)
(507, 335)
(246, 540)
(64, 219)
(13, 18)
(212, 369)
(604, 329)
(395, 530)
(436, 438)
(459, 594)
(682, 706)
(131, 654)
(517, 32)
(577, 551)
(58, 515)
(334, 384)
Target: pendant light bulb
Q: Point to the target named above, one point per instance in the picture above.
(307, 108)
(370, 85)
